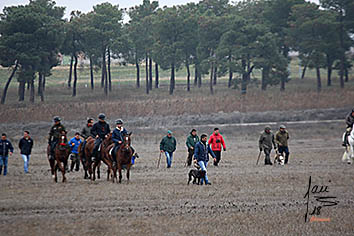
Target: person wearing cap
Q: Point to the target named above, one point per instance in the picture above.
(117, 138)
(217, 141)
(99, 130)
(25, 145)
(349, 121)
(6, 148)
(281, 139)
(266, 142)
(74, 145)
(168, 146)
(54, 134)
(192, 140)
(201, 155)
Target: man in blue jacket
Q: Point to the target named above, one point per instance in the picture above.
(74, 144)
(201, 154)
(6, 148)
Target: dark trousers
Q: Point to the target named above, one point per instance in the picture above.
(75, 160)
(218, 157)
(284, 149)
(53, 144)
(98, 142)
(267, 156)
(190, 156)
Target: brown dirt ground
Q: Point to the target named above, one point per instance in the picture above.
(244, 199)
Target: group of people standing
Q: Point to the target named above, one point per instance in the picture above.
(198, 149)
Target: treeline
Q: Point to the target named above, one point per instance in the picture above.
(214, 37)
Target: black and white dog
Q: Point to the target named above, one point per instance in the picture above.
(279, 159)
(197, 175)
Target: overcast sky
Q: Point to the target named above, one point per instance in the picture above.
(86, 5)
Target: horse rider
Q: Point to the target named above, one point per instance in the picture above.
(265, 143)
(54, 134)
(99, 130)
(86, 133)
(349, 120)
(117, 138)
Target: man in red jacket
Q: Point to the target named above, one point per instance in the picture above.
(215, 141)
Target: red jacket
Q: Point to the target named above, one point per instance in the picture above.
(215, 141)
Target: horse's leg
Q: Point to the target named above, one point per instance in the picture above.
(55, 172)
(128, 172)
(120, 172)
(62, 169)
(98, 169)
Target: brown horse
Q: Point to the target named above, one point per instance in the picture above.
(108, 160)
(124, 157)
(61, 155)
(86, 154)
(92, 165)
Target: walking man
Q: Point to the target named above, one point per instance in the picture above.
(168, 146)
(6, 148)
(74, 156)
(201, 155)
(192, 140)
(265, 143)
(281, 139)
(216, 141)
(25, 145)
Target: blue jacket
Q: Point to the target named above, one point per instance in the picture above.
(5, 147)
(201, 152)
(118, 135)
(74, 144)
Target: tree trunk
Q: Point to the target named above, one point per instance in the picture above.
(105, 77)
(75, 76)
(230, 72)
(195, 75)
(109, 70)
(156, 75)
(265, 77)
(43, 83)
(3, 97)
(346, 74)
(147, 73)
(172, 82)
(244, 77)
(28, 85)
(32, 91)
(303, 72)
(211, 77)
(284, 77)
(137, 72)
(199, 75)
(329, 75)
(342, 58)
(21, 90)
(103, 67)
(319, 85)
(188, 78)
(40, 86)
(91, 74)
(70, 70)
(215, 74)
(150, 73)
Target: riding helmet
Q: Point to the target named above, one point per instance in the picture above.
(101, 116)
(56, 119)
(119, 122)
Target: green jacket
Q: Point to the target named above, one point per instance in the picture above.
(192, 141)
(281, 139)
(266, 140)
(168, 144)
(56, 130)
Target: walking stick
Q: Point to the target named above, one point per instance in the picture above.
(158, 163)
(260, 152)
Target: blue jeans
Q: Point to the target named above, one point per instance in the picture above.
(3, 162)
(203, 166)
(169, 156)
(26, 159)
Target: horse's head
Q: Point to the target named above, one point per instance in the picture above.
(126, 143)
(108, 140)
(62, 138)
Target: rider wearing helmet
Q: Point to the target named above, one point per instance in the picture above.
(349, 120)
(117, 138)
(99, 130)
(54, 134)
